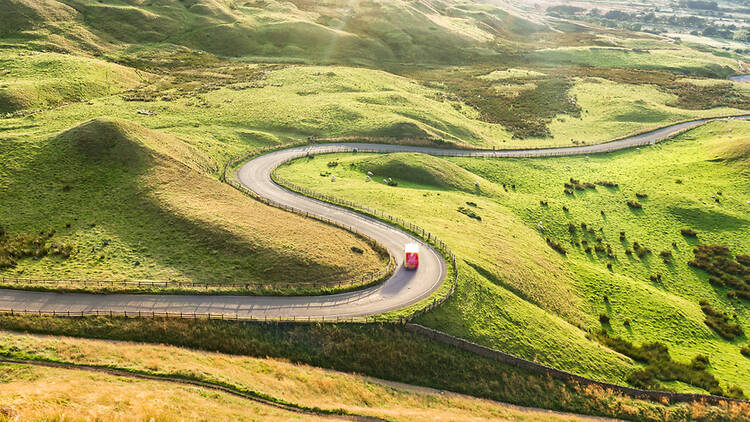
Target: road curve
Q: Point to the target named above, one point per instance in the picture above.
(402, 289)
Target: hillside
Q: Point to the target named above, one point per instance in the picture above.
(437, 31)
(127, 200)
(80, 394)
(117, 118)
(622, 269)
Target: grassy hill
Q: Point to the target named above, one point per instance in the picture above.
(117, 116)
(130, 202)
(85, 395)
(445, 31)
(519, 294)
(281, 360)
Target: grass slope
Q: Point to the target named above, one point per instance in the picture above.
(135, 203)
(401, 357)
(445, 31)
(517, 294)
(33, 81)
(33, 393)
(300, 384)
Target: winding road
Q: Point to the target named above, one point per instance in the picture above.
(402, 289)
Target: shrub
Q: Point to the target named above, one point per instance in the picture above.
(471, 204)
(720, 322)
(688, 232)
(641, 195)
(469, 213)
(572, 228)
(568, 191)
(357, 250)
(635, 205)
(607, 183)
(543, 203)
(716, 260)
(640, 250)
(700, 362)
(660, 366)
(332, 164)
(745, 350)
(391, 182)
(13, 248)
(556, 246)
(604, 319)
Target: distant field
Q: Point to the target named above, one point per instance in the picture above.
(676, 58)
(518, 294)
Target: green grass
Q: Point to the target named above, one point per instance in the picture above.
(517, 294)
(33, 81)
(678, 59)
(135, 203)
(401, 356)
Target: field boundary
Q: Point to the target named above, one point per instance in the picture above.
(538, 368)
(217, 386)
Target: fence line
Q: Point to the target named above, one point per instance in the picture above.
(200, 316)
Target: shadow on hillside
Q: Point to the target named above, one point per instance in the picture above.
(118, 197)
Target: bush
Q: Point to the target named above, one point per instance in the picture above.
(719, 322)
(357, 250)
(641, 195)
(700, 362)
(660, 366)
(29, 246)
(332, 164)
(745, 350)
(556, 246)
(469, 213)
(607, 183)
(688, 232)
(635, 205)
(572, 228)
(717, 261)
(604, 319)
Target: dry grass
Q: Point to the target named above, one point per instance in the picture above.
(51, 394)
(301, 384)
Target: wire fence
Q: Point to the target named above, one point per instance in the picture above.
(156, 285)
(217, 316)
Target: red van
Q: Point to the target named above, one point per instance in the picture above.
(411, 261)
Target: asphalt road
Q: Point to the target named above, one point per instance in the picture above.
(402, 289)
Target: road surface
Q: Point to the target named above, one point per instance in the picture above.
(402, 289)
